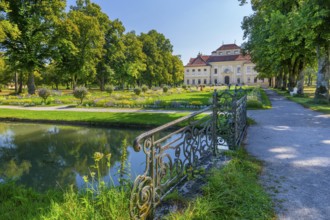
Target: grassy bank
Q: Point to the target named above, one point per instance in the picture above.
(91, 118)
(307, 100)
(231, 193)
(258, 99)
(97, 200)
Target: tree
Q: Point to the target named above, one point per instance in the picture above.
(80, 40)
(35, 22)
(157, 49)
(134, 59)
(282, 37)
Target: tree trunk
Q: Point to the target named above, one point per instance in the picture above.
(16, 82)
(30, 83)
(102, 82)
(323, 74)
(301, 79)
(284, 83)
(279, 81)
(20, 88)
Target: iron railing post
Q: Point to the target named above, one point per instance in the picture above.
(234, 112)
(214, 122)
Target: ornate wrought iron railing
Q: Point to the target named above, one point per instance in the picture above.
(189, 140)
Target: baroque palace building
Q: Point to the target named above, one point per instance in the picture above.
(226, 65)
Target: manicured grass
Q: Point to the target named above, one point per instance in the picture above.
(92, 118)
(307, 100)
(231, 193)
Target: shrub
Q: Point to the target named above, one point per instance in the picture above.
(165, 89)
(196, 103)
(144, 88)
(184, 87)
(109, 89)
(137, 91)
(80, 93)
(44, 94)
(254, 104)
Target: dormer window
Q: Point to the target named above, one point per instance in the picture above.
(228, 52)
(220, 53)
(236, 52)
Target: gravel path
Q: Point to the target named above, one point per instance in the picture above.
(294, 144)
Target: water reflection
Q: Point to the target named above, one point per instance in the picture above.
(48, 156)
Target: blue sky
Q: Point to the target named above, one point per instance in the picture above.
(192, 26)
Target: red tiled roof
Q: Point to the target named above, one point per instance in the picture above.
(200, 60)
(205, 60)
(228, 47)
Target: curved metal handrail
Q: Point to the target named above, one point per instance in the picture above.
(138, 139)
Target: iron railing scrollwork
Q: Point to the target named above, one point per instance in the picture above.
(172, 157)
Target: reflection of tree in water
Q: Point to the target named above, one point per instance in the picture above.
(54, 152)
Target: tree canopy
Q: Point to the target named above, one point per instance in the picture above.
(285, 36)
(81, 46)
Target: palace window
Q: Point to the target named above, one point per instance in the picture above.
(199, 81)
(248, 69)
(187, 70)
(255, 79)
(193, 70)
(215, 81)
(215, 71)
(238, 80)
(204, 70)
(193, 81)
(205, 81)
(249, 80)
(238, 70)
(199, 70)
(187, 81)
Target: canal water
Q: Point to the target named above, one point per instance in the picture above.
(45, 156)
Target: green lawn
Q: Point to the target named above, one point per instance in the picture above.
(307, 100)
(92, 118)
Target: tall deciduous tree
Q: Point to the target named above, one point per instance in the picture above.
(81, 40)
(285, 36)
(35, 21)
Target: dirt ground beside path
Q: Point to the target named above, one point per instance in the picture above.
(294, 143)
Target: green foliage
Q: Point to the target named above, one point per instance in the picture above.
(44, 93)
(254, 104)
(165, 89)
(80, 93)
(184, 86)
(144, 88)
(137, 91)
(109, 89)
(233, 192)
